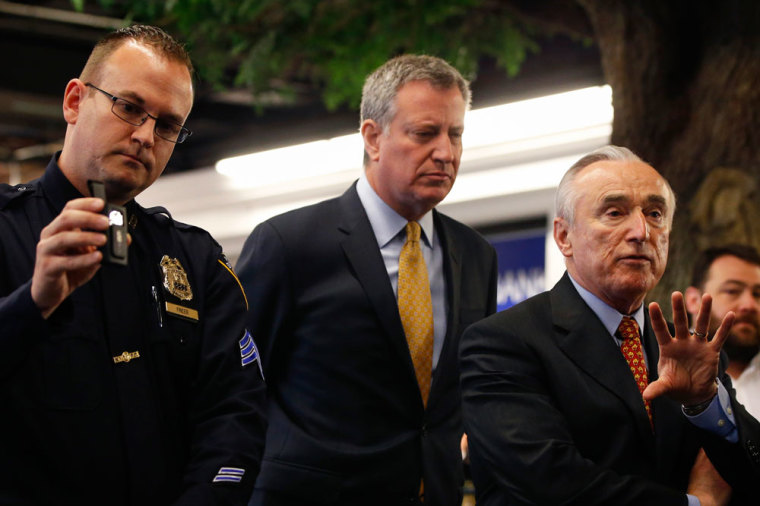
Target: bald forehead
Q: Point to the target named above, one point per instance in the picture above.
(618, 179)
(617, 168)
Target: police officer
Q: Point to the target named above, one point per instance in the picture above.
(130, 384)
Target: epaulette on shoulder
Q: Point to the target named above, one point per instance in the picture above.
(165, 217)
(158, 211)
(10, 193)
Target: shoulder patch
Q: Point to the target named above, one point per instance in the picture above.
(249, 353)
(229, 474)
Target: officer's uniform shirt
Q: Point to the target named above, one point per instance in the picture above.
(143, 387)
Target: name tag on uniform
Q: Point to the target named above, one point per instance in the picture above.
(182, 311)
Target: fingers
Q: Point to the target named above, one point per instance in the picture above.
(680, 320)
(63, 261)
(91, 204)
(654, 390)
(67, 254)
(72, 236)
(722, 333)
(79, 214)
(659, 325)
(50, 290)
(702, 323)
(69, 250)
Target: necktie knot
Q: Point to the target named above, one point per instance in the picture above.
(628, 328)
(413, 231)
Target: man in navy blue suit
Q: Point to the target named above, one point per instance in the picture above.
(563, 393)
(350, 420)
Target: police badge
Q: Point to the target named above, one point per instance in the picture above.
(175, 278)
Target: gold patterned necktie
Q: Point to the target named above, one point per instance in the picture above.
(634, 355)
(415, 307)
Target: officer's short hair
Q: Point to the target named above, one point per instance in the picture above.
(153, 37)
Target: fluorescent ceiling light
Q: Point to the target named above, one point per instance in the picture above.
(538, 117)
(573, 114)
(300, 161)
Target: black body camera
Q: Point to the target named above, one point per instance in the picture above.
(115, 249)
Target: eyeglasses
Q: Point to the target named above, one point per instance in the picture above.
(136, 115)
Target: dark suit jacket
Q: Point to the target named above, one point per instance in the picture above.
(554, 416)
(346, 420)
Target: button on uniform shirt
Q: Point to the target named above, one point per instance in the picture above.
(390, 231)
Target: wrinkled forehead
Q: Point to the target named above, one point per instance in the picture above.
(630, 181)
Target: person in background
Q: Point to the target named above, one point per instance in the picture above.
(121, 384)
(731, 275)
(579, 395)
(358, 304)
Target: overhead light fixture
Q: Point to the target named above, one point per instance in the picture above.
(300, 161)
(538, 117)
(529, 123)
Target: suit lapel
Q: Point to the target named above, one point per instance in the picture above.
(363, 255)
(452, 270)
(584, 339)
(668, 419)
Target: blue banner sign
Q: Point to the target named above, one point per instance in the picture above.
(521, 266)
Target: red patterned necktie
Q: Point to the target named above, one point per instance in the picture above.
(633, 354)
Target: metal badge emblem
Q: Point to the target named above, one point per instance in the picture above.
(175, 278)
(126, 357)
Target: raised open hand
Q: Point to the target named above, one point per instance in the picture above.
(688, 364)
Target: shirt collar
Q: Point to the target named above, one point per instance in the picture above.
(59, 190)
(609, 316)
(56, 185)
(387, 223)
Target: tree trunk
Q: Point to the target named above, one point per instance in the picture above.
(685, 79)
